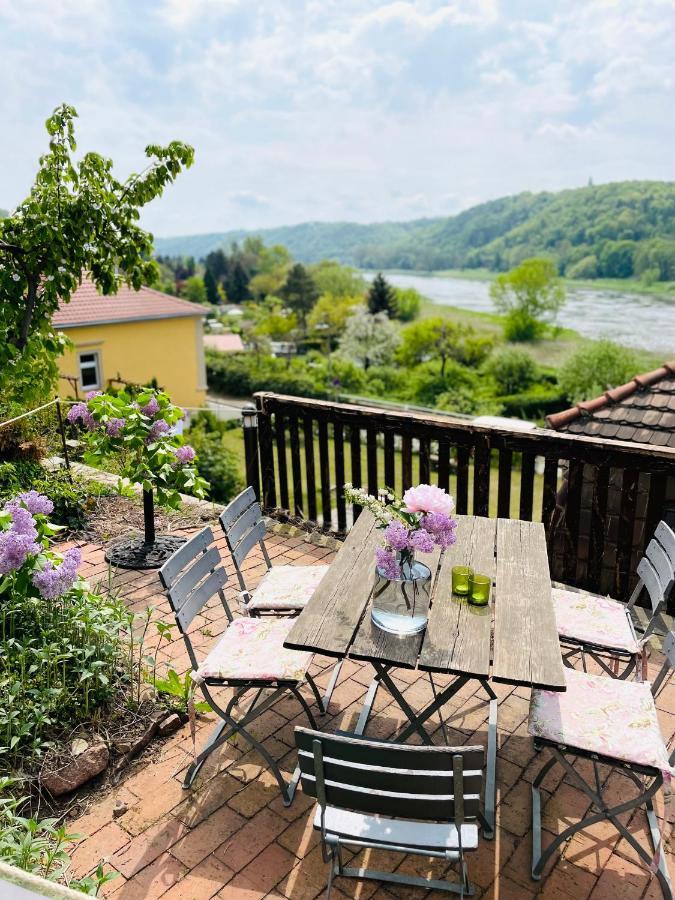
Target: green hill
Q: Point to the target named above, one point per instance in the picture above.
(612, 230)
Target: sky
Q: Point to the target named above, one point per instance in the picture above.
(354, 110)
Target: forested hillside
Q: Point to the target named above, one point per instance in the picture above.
(614, 230)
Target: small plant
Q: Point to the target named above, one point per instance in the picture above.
(40, 846)
(139, 433)
(180, 690)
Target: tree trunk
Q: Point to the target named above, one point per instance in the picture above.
(149, 516)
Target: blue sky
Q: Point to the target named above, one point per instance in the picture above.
(344, 109)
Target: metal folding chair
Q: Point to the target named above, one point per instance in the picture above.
(248, 657)
(604, 629)
(284, 590)
(396, 797)
(612, 723)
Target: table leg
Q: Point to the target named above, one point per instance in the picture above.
(416, 722)
(367, 706)
(491, 767)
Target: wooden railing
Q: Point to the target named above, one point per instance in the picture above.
(599, 500)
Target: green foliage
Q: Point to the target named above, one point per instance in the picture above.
(78, 217)
(407, 303)
(616, 259)
(369, 339)
(40, 846)
(536, 403)
(586, 267)
(241, 374)
(329, 316)
(299, 293)
(439, 339)
(513, 370)
(211, 288)
(566, 226)
(595, 368)
(141, 441)
(530, 297)
(381, 296)
(194, 290)
(215, 462)
(179, 690)
(72, 499)
(337, 281)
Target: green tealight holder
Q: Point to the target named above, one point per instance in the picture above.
(460, 580)
(479, 589)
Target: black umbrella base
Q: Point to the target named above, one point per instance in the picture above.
(134, 553)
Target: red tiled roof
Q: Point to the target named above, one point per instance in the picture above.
(226, 343)
(642, 410)
(88, 307)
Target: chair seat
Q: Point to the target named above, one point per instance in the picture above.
(590, 619)
(286, 587)
(607, 716)
(396, 832)
(253, 650)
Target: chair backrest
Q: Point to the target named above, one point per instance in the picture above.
(399, 780)
(243, 524)
(192, 576)
(668, 663)
(656, 569)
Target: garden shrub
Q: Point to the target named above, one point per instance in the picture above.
(539, 401)
(215, 462)
(242, 374)
(513, 370)
(60, 641)
(595, 368)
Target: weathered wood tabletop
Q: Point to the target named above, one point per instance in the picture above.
(515, 640)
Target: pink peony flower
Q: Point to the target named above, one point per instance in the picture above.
(428, 498)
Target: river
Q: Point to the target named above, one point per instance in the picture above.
(637, 320)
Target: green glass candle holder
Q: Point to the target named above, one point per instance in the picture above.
(479, 589)
(460, 580)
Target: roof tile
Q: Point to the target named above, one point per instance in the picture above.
(88, 307)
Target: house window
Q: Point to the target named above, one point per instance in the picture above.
(90, 371)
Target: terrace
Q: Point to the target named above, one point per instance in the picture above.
(230, 835)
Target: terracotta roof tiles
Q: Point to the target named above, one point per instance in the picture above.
(642, 410)
(88, 307)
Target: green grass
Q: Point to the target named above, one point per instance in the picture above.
(234, 440)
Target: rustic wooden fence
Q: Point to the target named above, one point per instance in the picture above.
(599, 500)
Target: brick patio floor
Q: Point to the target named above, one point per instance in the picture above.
(231, 837)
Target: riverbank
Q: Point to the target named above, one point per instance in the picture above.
(622, 285)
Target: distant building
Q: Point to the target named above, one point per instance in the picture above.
(133, 336)
(225, 343)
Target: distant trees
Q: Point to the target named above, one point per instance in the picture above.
(442, 340)
(529, 296)
(381, 296)
(407, 303)
(211, 287)
(369, 339)
(595, 368)
(300, 293)
(513, 370)
(337, 281)
(195, 290)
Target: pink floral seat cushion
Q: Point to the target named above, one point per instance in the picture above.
(601, 715)
(591, 619)
(253, 650)
(287, 587)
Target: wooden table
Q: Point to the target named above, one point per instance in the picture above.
(515, 641)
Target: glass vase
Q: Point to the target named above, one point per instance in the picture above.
(401, 605)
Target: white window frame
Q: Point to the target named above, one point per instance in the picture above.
(95, 365)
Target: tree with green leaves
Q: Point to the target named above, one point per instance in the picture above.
(407, 303)
(77, 218)
(211, 287)
(381, 296)
(194, 289)
(595, 368)
(442, 340)
(336, 280)
(299, 293)
(236, 284)
(530, 296)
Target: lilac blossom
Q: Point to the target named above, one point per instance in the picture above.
(22, 520)
(151, 408)
(158, 429)
(422, 540)
(92, 394)
(184, 454)
(396, 535)
(437, 522)
(445, 538)
(114, 427)
(18, 542)
(36, 504)
(79, 412)
(387, 563)
(54, 581)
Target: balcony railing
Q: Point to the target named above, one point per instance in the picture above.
(599, 500)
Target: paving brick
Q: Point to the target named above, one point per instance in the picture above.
(203, 882)
(250, 840)
(106, 842)
(207, 836)
(269, 867)
(153, 881)
(151, 844)
(620, 880)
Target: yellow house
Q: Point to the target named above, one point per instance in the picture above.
(133, 336)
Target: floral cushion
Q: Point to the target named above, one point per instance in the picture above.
(253, 649)
(287, 587)
(591, 619)
(601, 715)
